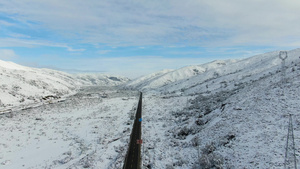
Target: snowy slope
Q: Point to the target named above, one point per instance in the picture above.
(166, 77)
(214, 76)
(242, 126)
(84, 131)
(145, 80)
(20, 85)
(100, 79)
(23, 85)
(233, 75)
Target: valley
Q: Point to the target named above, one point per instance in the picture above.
(232, 114)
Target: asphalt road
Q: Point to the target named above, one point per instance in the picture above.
(133, 157)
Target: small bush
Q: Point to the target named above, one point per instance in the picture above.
(169, 166)
(209, 159)
(213, 160)
(209, 148)
(185, 131)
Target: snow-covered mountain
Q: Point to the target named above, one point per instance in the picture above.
(23, 85)
(20, 85)
(166, 77)
(147, 79)
(100, 79)
(214, 76)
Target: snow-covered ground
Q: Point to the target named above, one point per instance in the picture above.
(224, 114)
(245, 128)
(85, 131)
(241, 126)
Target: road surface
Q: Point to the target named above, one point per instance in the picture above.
(133, 157)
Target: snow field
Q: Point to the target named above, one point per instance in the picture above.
(78, 133)
(243, 126)
(158, 146)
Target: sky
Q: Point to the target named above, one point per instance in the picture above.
(137, 37)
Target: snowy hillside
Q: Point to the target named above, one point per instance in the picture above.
(100, 79)
(20, 85)
(233, 128)
(144, 80)
(214, 76)
(23, 85)
(166, 77)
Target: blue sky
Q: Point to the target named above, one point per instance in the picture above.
(137, 37)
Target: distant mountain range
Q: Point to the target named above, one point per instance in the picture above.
(22, 85)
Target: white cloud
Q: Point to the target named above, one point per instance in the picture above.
(193, 22)
(102, 52)
(73, 50)
(6, 54)
(20, 42)
(5, 23)
(18, 35)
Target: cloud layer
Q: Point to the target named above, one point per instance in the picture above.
(159, 22)
(6, 54)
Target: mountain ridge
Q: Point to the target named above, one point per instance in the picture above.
(205, 80)
(21, 85)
